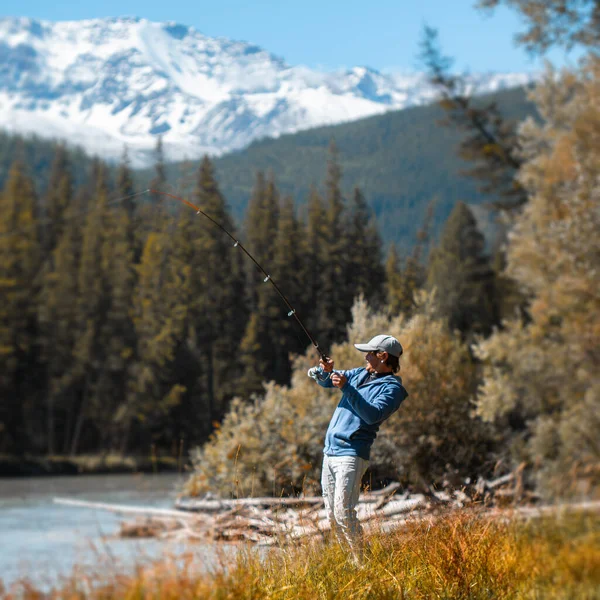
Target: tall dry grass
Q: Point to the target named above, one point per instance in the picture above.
(458, 556)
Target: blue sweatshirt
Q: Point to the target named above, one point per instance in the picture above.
(364, 406)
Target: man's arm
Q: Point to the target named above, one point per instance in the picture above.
(378, 409)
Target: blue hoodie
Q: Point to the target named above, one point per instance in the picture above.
(362, 409)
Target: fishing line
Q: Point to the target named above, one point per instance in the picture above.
(267, 276)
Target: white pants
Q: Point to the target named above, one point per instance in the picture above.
(340, 480)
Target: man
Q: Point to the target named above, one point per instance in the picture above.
(369, 396)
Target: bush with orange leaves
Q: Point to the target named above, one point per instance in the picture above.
(543, 372)
(273, 445)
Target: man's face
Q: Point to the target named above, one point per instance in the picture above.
(373, 361)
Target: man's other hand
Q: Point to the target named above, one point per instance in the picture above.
(339, 380)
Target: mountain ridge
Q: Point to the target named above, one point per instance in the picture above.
(108, 83)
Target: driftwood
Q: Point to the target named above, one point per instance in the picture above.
(269, 521)
(199, 505)
(124, 509)
(257, 520)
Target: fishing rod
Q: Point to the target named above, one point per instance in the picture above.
(236, 244)
(267, 276)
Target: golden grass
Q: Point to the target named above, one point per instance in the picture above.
(457, 556)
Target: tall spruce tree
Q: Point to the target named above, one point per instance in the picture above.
(270, 338)
(336, 297)
(393, 278)
(260, 226)
(59, 196)
(218, 312)
(58, 330)
(461, 273)
(117, 332)
(154, 213)
(315, 259)
(490, 143)
(412, 275)
(366, 274)
(160, 311)
(20, 262)
(88, 368)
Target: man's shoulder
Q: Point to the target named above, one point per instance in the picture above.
(355, 372)
(396, 382)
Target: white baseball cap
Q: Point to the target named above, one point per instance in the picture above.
(382, 343)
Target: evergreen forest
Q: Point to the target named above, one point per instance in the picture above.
(130, 324)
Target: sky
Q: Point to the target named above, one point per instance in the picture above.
(330, 34)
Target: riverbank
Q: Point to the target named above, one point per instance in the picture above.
(462, 555)
(105, 464)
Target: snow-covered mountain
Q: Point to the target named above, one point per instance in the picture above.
(107, 83)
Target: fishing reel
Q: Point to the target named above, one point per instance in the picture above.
(318, 374)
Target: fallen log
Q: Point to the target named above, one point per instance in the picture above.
(193, 504)
(309, 502)
(125, 509)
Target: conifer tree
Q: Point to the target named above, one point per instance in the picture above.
(462, 276)
(218, 314)
(160, 310)
(87, 372)
(58, 330)
(366, 271)
(154, 213)
(393, 278)
(260, 227)
(20, 261)
(58, 198)
(336, 297)
(270, 337)
(117, 332)
(290, 271)
(412, 275)
(125, 184)
(491, 142)
(315, 259)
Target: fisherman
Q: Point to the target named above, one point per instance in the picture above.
(369, 396)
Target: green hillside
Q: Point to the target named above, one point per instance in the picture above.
(37, 154)
(401, 160)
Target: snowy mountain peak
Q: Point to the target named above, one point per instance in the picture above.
(107, 83)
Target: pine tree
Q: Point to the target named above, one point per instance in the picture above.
(156, 211)
(20, 262)
(271, 336)
(217, 307)
(117, 332)
(58, 198)
(393, 277)
(87, 372)
(260, 227)
(290, 272)
(58, 323)
(160, 311)
(491, 142)
(315, 259)
(336, 297)
(366, 271)
(462, 276)
(125, 184)
(411, 278)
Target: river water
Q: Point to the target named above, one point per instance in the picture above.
(43, 541)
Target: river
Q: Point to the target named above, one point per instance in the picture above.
(43, 541)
